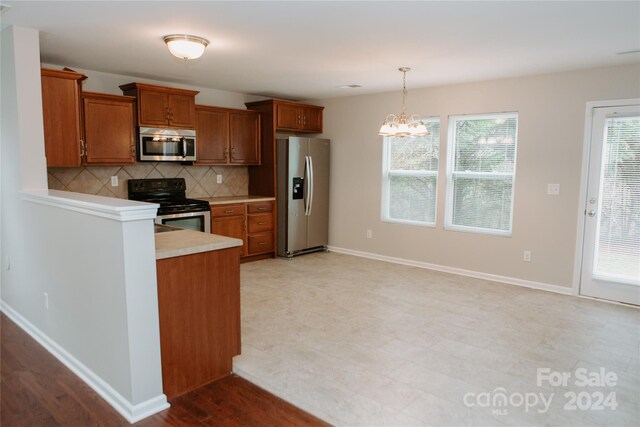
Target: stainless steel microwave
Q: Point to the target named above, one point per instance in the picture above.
(167, 145)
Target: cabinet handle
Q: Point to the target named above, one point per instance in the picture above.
(226, 153)
(167, 113)
(233, 153)
(304, 120)
(133, 150)
(262, 223)
(229, 211)
(260, 243)
(83, 148)
(262, 209)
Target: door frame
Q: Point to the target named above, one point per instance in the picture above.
(584, 178)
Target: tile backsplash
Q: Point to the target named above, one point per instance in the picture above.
(201, 180)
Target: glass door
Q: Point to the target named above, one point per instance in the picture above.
(611, 248)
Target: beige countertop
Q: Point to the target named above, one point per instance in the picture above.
(237, 199)
(187, 242)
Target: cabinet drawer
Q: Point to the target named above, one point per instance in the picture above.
(259, 243)
(260, 207)
(260, 222)
(227, 210)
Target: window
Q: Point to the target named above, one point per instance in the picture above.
(410, 177)
(481, 165)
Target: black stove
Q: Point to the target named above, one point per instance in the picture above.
(169, 193)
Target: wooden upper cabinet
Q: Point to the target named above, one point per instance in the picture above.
(62, 117)
(212, 136)
(182, 112)
(109, 127)
(226, 136)
(160, 106)
(288, 117)
(312, 119)
(154, 108)
(293, 116)
(244, 137)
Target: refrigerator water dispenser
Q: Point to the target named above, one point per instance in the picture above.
(298, 188)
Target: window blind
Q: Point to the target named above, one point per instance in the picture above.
(618, 236)
(411, 177)
(481, 172)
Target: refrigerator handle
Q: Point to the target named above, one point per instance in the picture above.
(307, 179)
(310, 184)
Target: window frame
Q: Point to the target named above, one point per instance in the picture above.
(451, 136)
(387, 173)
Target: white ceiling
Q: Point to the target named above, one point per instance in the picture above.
(301, 50)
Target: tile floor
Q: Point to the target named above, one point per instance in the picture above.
(359, 342)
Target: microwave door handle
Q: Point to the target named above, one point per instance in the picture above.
(184, 148)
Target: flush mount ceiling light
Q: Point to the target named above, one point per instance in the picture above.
(402, 125)
(184, 46)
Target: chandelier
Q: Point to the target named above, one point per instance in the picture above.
(402, 125)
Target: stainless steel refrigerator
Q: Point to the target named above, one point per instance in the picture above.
(303, 194)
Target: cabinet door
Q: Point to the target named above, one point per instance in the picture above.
(109, 130)
(61, 119)
(153, 108)
(288, 117)
(212, 137)
(259, 223)
(244, 138)
(199, 318)
(312, 119)
(230, 226)
(182, 111)
(260, 243)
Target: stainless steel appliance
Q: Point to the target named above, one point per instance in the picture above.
(162, 145)
(303, 194)
(175, 209)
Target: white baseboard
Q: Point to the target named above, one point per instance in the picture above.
(131, 412)
(446, 269)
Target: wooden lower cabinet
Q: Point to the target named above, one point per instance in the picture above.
(260, 243)
(253, 223)
(199, 307)
(230, 226)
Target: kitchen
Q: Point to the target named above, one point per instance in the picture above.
(126, 244)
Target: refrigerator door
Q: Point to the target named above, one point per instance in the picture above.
(297, 166)
(318, 211)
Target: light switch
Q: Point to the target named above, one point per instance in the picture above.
(114, 181)
(219, 179)
(553, 189)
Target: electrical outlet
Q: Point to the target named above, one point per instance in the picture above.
(526, 256)
(369, 234)
(553, 189)
(46, 300)
(114, 181)
(219, 179)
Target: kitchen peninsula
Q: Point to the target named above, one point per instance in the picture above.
(199, 307)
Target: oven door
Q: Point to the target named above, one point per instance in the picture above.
(198, 221)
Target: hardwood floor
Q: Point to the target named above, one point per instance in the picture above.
(37, 390)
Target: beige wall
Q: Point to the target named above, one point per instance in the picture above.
(551, 130)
